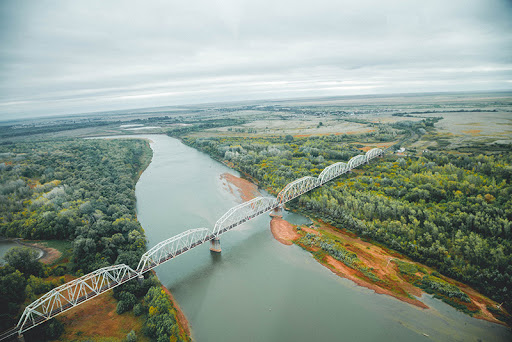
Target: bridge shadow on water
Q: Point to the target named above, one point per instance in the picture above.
(233, 255)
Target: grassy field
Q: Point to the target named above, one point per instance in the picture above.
(96, 320)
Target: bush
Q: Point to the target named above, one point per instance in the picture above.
(126, 302)
(138, 310)
(131, 337)
(122, 307)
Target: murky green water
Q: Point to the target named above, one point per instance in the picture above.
(5, 245)
(260, 290)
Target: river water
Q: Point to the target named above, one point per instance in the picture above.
(260, 290)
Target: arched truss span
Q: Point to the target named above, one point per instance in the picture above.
(374, 152)
(297, 188)
(82, 289)
(243, 212)
(356, 161)
(73, 293)
(172, 247)
(332, 171)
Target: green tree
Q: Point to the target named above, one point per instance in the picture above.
(25, 260)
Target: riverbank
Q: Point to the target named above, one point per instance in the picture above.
(378, 268)
(116, 320)
(245, 189)
(183, 323)
(387, 277)
(47, 255)
(283, 231)
(288, 234)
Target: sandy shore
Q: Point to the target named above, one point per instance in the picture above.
(283, 231)
(286, 233)
(48, 255)
(377, 258)
(245, 189)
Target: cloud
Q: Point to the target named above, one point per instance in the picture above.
(69, 57)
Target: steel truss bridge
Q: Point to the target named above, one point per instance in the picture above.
(80, 290)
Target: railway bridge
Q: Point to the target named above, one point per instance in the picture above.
(78, 291)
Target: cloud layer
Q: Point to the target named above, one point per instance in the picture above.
(68, 57)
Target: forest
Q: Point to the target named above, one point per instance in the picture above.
(449, 211)
(81, 191)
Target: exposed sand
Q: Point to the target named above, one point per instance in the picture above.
(372, 256)
(375, 257)
(346, 272)
(49, 254)
(246, 190)
(283, 231)
(379, 259)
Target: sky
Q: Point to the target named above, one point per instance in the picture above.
(64, 57)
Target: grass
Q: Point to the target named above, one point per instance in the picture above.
(407, 268)
(97, 320)
(65, 247)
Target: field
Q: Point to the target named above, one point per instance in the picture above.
(97, 320)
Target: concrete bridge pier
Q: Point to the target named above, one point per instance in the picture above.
(140, 278)
(21, 338)
(277, 212)
(215, 245)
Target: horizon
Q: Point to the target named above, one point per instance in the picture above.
(247, 102)
(75, 57)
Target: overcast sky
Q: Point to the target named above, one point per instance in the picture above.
(59, 57)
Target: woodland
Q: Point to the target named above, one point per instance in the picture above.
(449, 211)
(82, 192)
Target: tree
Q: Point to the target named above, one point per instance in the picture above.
(12, 293)
(126, 302)
(24, 259)
(131, 337)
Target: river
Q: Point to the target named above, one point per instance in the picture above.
(260, 290)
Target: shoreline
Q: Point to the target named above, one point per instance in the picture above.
(283, 231)
(375, 257)
(183, 323)
(47, 255)
(286, 233)
(393, 283)
(246, 190)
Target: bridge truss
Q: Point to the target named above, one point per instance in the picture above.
(77, 291)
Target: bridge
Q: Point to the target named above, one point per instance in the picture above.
(78, 291)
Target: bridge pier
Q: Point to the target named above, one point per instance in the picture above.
(215, 245)
(277, 212)
(21, 338)
(140, 278)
